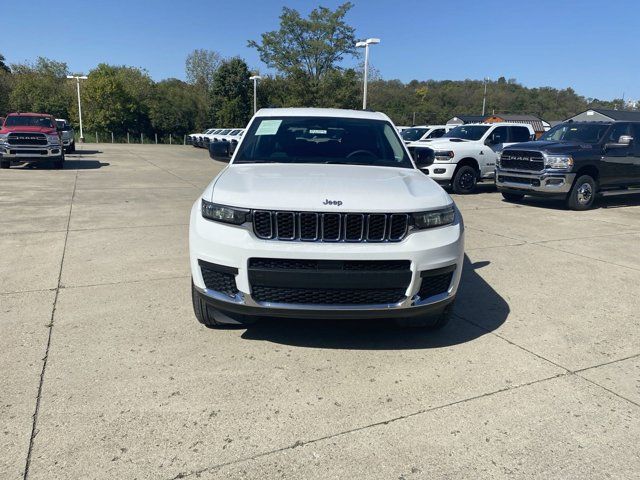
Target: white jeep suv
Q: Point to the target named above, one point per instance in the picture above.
(468, 153)
(322, 213)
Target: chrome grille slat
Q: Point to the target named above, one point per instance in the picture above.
(330, 226)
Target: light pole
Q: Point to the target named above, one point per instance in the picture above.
(484, 97)
(78, 78)
(255, 79)
(365, 44)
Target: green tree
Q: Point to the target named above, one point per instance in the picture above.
(314, 45)
(231, 98)
(201, 66)
(41, 87)
(3, 66)
(173, 107)
(116, 99)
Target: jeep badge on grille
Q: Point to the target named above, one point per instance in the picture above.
(332, 202)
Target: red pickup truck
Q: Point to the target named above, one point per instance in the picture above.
(29, 137)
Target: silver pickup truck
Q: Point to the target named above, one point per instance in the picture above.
(68, 135)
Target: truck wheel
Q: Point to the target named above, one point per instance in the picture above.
(212, 318)
(464, 180)
(582, 194)
(72, 147)
(5, 163)
(512, 197)
(58, 163)
(428, 322)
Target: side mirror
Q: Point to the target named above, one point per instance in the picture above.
(423, 157)
(623, 142)
(220, 150)
(489, 141)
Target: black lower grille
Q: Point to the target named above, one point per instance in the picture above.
(521, 180)
(330, 227)
(295, 264)
(218, 278)
(435, 285)
(327, 296)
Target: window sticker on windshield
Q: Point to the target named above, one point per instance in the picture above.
(268, 127)
(318, 132)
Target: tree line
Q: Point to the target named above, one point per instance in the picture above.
(305, 56)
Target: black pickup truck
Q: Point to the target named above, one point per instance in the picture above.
(574, 161)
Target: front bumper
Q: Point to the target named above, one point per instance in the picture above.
(551, 183)
(30, 152)
(441, 172)
(233, 246)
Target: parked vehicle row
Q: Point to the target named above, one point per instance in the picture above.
(31, 137)
(204, 139)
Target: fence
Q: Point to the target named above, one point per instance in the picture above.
(132, 137)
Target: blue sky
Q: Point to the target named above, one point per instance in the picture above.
(588, 45)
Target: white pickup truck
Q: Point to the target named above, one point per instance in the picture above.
(468, 153)
(322, 213)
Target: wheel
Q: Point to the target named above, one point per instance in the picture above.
(72, 147)
(212, 318)
(429, 322)
(512, 197)
(58, 162)
(583, 193)
(464, 180)
(5, 163)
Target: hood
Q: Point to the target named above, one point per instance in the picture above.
(48, 131)
(445, 142)
(551, 146)
(305, 187)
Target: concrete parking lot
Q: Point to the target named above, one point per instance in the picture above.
(105, 373)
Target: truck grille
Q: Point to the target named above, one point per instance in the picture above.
(329, 282)
(522, 160)
(330, 227)
(327, 296)
(27, 139)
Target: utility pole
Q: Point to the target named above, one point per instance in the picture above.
(484, 97)
(365, 45)
(78, 78)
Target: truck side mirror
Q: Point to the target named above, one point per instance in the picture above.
(423, 157)
(220, 150)
(623, 142)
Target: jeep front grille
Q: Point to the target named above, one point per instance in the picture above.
(522, 160)
(330, 227)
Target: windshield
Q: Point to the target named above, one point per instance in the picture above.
(413, 134)
(576, 132)
(323, 140)
(15, 121)
(467, 132)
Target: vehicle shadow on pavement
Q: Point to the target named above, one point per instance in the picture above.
(85, 152)
(478, 303)
(631, 199)
(82, 164)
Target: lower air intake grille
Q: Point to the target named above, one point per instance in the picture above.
(435, 285)
(215, 278)
(327, 296)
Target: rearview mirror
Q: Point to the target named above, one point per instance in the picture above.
(423, 157)
(220, 150)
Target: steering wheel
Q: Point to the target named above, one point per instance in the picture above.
(360, 152)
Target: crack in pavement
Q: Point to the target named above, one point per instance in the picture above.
(34, 426)
(301, 443)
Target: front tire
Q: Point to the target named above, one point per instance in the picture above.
(428, 322)
(464, 180)
(512, 197)
(72, 147)
(58, 163)
(211, 317)
(583, 193)
(5, 163)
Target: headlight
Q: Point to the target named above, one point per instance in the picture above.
(444, 156)
(53, 139)
(434, 218)
(558, 161)
(4, 137)
(222, 213)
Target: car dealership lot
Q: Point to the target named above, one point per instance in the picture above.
(537, 376)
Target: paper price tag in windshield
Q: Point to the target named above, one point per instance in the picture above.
(268, 127)
(318, 132)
